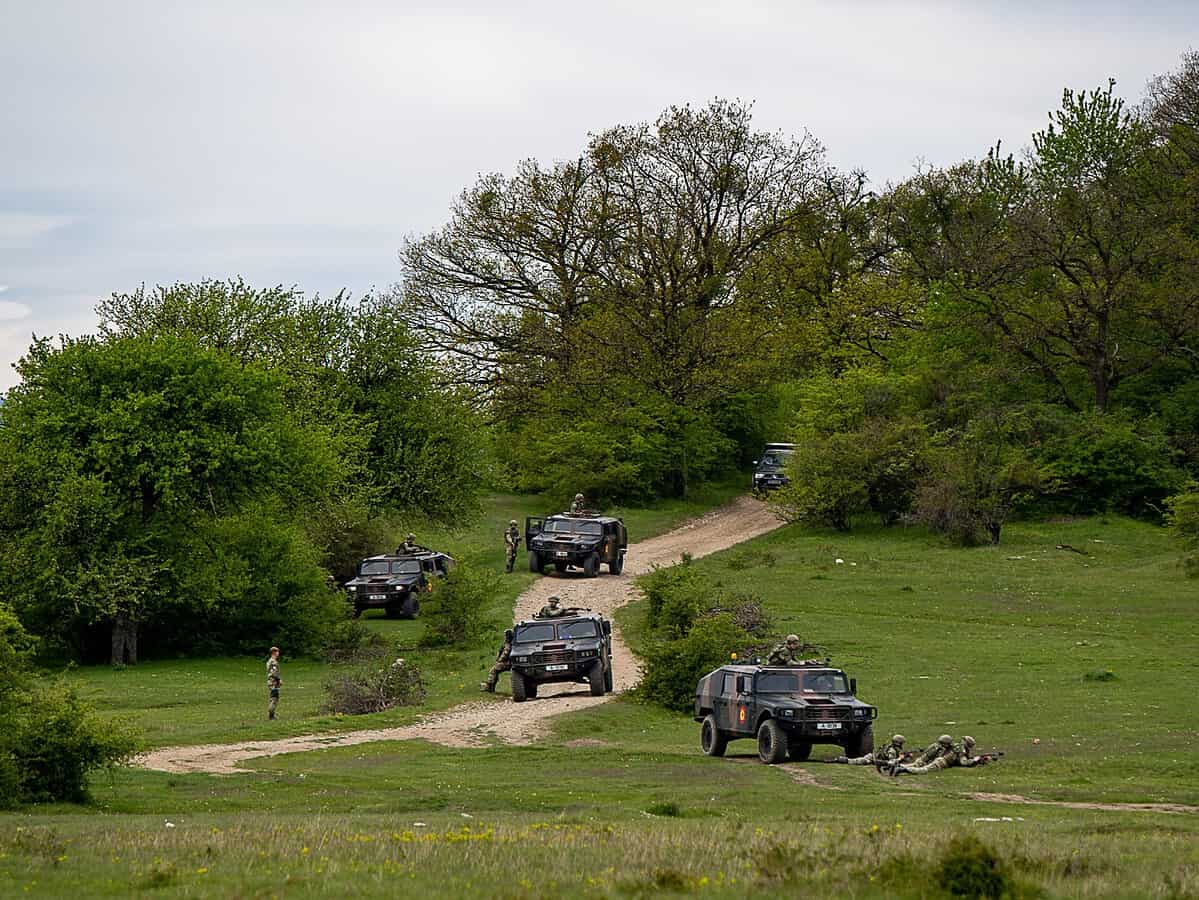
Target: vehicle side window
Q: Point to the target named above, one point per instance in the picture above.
(727, 687)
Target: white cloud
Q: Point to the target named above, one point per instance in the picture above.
(12, 312)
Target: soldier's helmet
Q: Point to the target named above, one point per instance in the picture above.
(554, 601)
(968, 741)
(512, 521)
(578, 496)
(411, 536)
(945, 740)
(793, 639)
(897, 740)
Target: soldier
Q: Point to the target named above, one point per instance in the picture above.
(891, 754)
(409, 546)
(577, 505)
(273, 682)
(511, 543)
(787, 653)
(502, 663)
(552, 609)
(948, 754)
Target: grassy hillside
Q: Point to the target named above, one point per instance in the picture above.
(995, 642)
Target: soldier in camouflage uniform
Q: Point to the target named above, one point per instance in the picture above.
(948, 754)
(511, 543)
(273, 682)
(409, 546)
(502, 663)
(788, 653)
(890, 755)
(577, 505)
(553, 609)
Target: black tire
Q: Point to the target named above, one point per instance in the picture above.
(799, 750)
(772, 742)
(861, 743)
(560, 566)
(595, 678)
(534, 561)
(519, 687)
(617, 565)
(608, 677)
(410, 607)
(591, 565)
(531, 688)
(392, 610)
(357, 611)
(711, 740)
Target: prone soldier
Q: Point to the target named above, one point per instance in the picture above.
(511, 543)
(947, 755)
(889, 755)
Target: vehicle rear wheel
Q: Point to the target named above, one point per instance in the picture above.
(711, 741)
(595, 678)
(861, 743)
(799, 750)
(617, 565)
(534, 561)
(772, 742)
(591, 565)
(519, 687)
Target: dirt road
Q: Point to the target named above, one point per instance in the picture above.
(472, 724)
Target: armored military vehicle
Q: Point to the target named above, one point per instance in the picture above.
(575, 647)
(394, 582)
(770, 472)
(787, 708)
(582, 540)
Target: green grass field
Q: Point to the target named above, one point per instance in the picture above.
(618, 801)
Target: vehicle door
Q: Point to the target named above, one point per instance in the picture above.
(724, 695)
(741, 705)
(533, 527)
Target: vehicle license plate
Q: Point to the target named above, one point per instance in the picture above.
(828, 726)
(558, 668)
(378, 596)
(561, 553)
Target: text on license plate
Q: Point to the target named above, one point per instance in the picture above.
(828, 726)
(561, 553)
(378, 596)
(558, 668)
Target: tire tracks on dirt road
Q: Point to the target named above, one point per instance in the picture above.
(477, 723)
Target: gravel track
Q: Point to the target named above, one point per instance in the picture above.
(477, 723)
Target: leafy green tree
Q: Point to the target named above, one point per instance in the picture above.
(115, 455)
(1183, 520)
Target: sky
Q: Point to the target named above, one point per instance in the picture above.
(300, 143)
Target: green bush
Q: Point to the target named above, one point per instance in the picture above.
(453, 612)
(1183, 520)
(676, 596)
(372, 690)
(351, 641)
(54, 742)
(969, 868)
(673, 668)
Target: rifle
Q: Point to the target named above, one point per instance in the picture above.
(990, 757)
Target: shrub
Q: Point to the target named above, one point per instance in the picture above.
(453, 612)
(1183, 519)
(969, 868)
(373, 690)
(675, 595)
(54, 742)
(672, 668)
(351, 641)
(747, 613)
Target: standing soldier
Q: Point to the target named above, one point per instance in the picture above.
(892, 754)
(511, 543)
(273, 682)
(503, 663)
(577, 505)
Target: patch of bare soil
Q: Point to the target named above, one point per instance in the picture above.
(477, 723)
(1068, 804)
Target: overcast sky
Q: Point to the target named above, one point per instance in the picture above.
(300, 142)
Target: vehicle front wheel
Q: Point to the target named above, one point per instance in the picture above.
(595, 678)
(534, 561)
(591, 565)
(861, 743)
(410, 607)
(799, 750)
(608, 677)
(617, 565)
(711, 741)
(519, 687)
(772, 742)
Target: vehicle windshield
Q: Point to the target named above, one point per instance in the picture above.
(373, 567)
(581, 629)
(777, 458)
(406, 567)
(802, 683)
(573, 526)
(535, 634)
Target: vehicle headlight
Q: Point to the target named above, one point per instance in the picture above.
(586, 653)
(860, 713)
(522, 659)
(787, 712)
(353, 587)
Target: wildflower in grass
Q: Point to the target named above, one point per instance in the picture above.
(203, 870)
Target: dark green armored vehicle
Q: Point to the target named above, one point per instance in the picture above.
(582, 540)
(787, 708)
(395, 582)
(575, 647)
